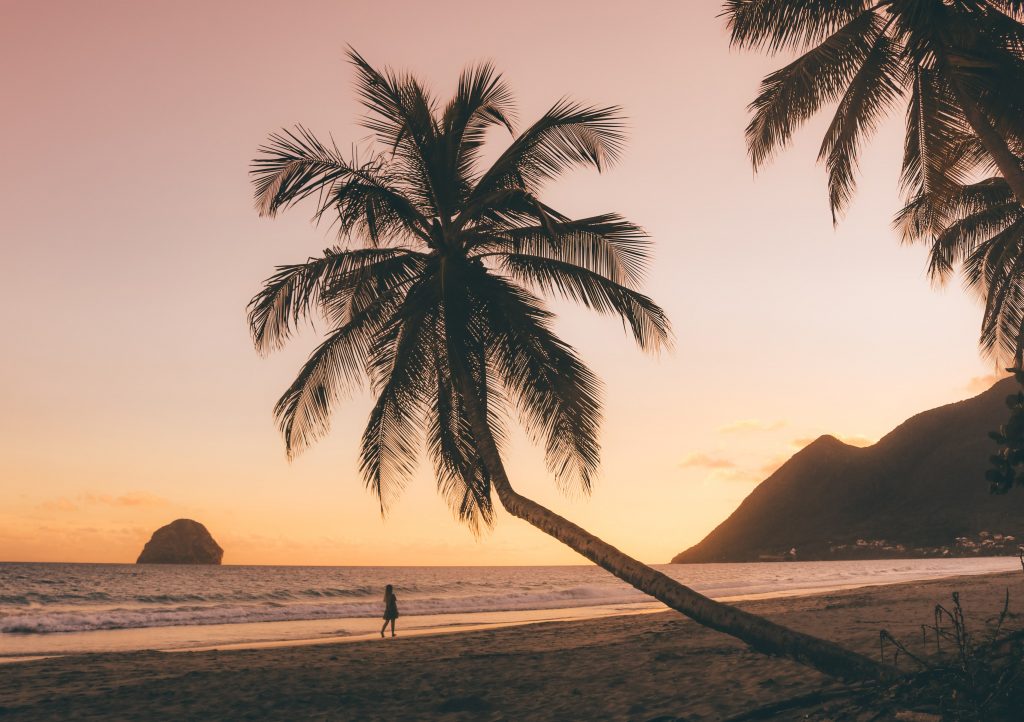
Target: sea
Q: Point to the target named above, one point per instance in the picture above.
(55, 609)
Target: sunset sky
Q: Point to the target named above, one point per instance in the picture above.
(130, 394)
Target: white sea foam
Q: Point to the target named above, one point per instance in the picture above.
(40, 621)
(44, 600)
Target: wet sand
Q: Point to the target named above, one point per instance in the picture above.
(636, 667)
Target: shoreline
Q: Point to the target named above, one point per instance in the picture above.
(618, 667)
(261, 634)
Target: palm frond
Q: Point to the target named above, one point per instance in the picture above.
(995, 270)
(401, 114)
(938, 140)
(334, 369)
(569, 135)
(645, 319)
(872, 92)
(483, 100)
(792, 94)
(462, 477)
(365, 205)
(295, 165)
(919, 218)
(1014, 8)
(290, 294)
(292, 165)
(507, 208)
(400, 368)
(400, 110)
(960, 239)
(774, 25)
(558, 397)
(606, 244)
(348, 294)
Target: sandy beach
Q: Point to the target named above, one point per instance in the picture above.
(637, 667)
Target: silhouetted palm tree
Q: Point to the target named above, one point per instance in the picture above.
(981, 231)
(962, 62)
(982, 234)
(435, 302)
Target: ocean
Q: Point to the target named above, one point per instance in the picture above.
(48, 609)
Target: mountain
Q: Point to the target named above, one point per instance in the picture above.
(919, 491)
(183, 541)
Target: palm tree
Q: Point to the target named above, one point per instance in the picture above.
(962, 62)
(434, 299)
(981, 232)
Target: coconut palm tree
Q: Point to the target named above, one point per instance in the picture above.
(981, 232)
(962, 62)
(982, 235)
(434, 298)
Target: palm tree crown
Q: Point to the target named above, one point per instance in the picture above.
(982, 233)
(961, 61)
(440, 269)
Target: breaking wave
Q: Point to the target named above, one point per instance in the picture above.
(39, 620)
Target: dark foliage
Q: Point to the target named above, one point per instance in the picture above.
(981, 232)
(1007, 462)
(441, 264)
(935, 58)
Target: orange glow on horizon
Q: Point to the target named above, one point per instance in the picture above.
(130, 391)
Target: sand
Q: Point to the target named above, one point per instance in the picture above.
(636, 667)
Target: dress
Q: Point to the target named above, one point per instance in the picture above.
(390, 607)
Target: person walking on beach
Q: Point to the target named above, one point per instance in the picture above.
(390, 610)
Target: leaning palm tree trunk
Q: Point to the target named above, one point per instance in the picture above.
(759, 633)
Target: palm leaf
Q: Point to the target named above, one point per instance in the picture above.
(646, 320)
(785, 24)
(558, 397)
(461, 475)
(569, 135)
(289, 294)
(938, 145)
(995, 270)
(334, 369)
(606, 244)
(961, 238)
(483, 100)
(400, 367)
(872, 92)
(792, 94)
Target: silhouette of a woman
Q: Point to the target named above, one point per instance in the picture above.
(390, 610)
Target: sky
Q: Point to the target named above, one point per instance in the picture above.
(130, 394)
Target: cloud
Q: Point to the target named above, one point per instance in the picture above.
(136, 498)
(706, 462)
(747, 476)
(131, 499)
(748, 425)
(61, 504)
(978, 384)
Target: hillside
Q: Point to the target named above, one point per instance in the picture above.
(913, 493)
